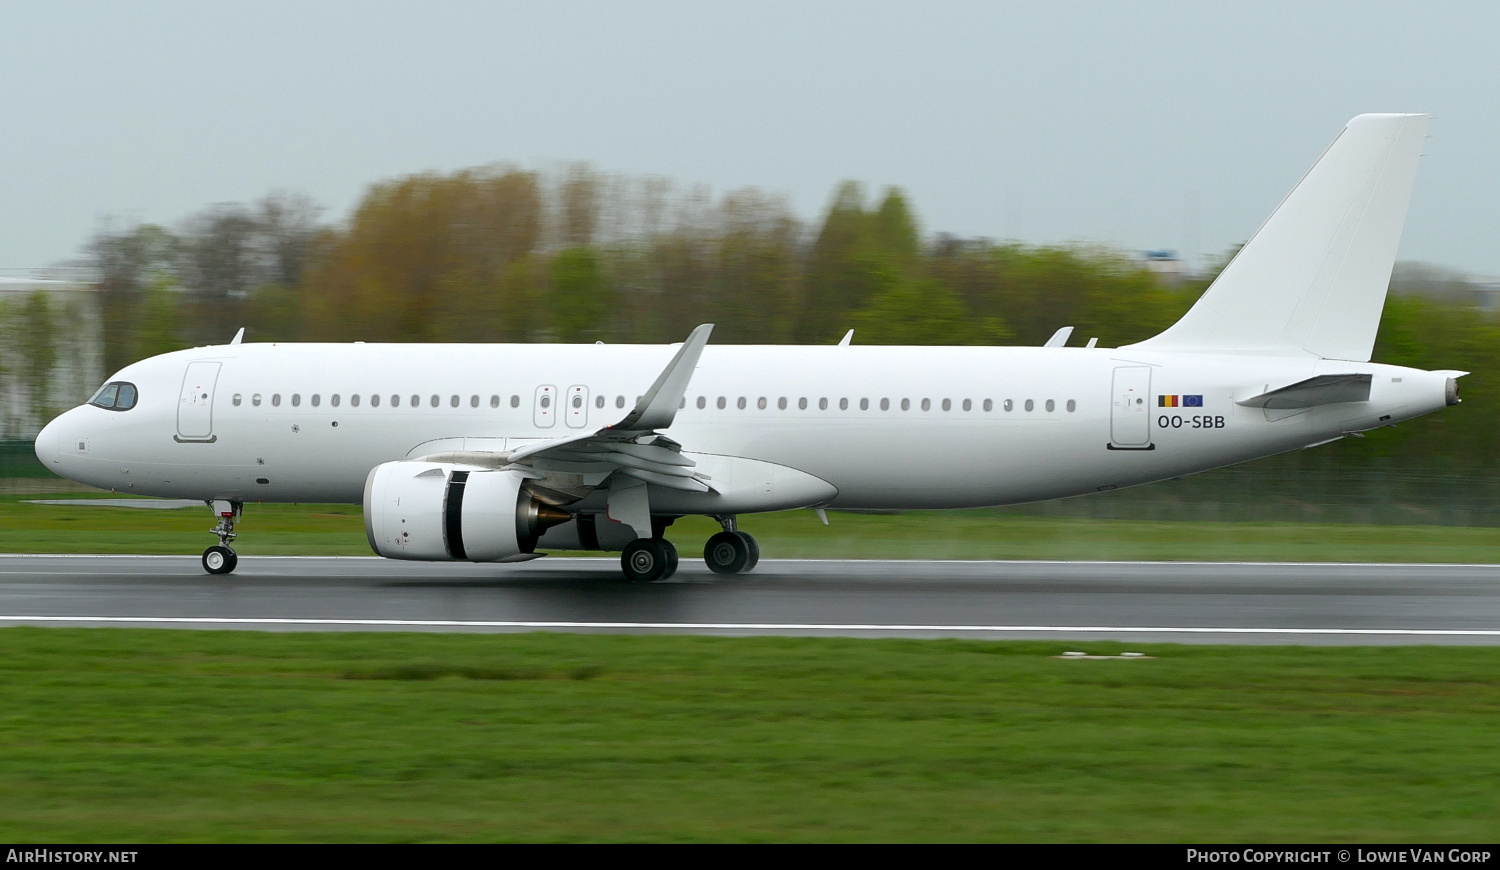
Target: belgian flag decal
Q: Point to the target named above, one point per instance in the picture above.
(1179, 401)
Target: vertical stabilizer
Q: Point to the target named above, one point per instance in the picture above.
(1312, 280)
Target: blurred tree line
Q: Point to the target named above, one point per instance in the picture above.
(502, 254)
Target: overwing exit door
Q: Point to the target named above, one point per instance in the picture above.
(195, 405)
(578, 406)
(1130, 409)
(544, 407)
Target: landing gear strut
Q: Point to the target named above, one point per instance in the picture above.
(731, 551)
(648, 559)
(221, 559)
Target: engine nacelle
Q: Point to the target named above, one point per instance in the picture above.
(439, 512)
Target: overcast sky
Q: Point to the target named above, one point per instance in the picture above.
(1139, 125)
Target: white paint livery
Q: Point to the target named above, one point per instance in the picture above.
(475, 451)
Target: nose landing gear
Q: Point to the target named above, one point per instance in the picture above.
(221, 559)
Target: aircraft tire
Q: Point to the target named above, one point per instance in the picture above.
(671, 559)
(727, 553)
(219, 560)
(645, 560)
(753, 549)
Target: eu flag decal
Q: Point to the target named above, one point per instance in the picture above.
(1165, 401)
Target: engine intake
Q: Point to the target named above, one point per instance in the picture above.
(438, 512)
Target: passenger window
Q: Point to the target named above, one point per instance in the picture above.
(681, 403)
(296, 400)
(822, 404)
(968, 405)
(947, 404)
(434, 401)
(375, 400)
(494, 401)
(927, 404)
(1008, 404)
(1072, 406)
(843, 404)
(864, 404)
(452, 401)
(906, 404)
(395, 400)
(354, 400)
(1050, 405)
(989, 405)
(236, 400)
(702, 402)
(885, 404)
(416, 401)
(515, 401)
(619, 401)
(1030, 404)
(474, 401)
(316, 400)
(276, 400)
(781, 404)
(334, 400)
(255, 400)
(762, 403)
(722, 403)
(741, 403)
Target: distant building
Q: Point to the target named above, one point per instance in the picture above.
(1487, 289)
(1166, 264)
(77, 337)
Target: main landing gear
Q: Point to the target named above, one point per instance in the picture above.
(728, 552)
(731, 551)
(221, 559)
(648, 559)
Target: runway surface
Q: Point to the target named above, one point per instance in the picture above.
(1206, 602)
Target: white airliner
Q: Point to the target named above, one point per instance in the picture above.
(493, 452)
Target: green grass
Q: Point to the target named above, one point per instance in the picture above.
(983, 534)
(127, 735)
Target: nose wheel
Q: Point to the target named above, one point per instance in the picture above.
(221, 559)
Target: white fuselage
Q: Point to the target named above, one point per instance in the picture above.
(884, 427)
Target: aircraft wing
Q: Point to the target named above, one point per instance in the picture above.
(633, 446)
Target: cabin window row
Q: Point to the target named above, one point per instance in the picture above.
(885, 404)
(455, 401)
(395, 400)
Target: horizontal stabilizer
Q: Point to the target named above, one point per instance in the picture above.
(1320, 390)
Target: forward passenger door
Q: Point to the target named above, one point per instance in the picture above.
(195, 404)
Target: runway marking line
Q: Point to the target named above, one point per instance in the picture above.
(600, 560)
(743, 626)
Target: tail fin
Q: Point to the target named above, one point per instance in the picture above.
(1312, 280)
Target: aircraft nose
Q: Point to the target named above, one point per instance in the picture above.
(49, 444)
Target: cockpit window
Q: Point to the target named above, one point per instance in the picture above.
(115, 396)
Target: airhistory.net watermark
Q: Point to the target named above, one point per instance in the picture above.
(69, 856)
